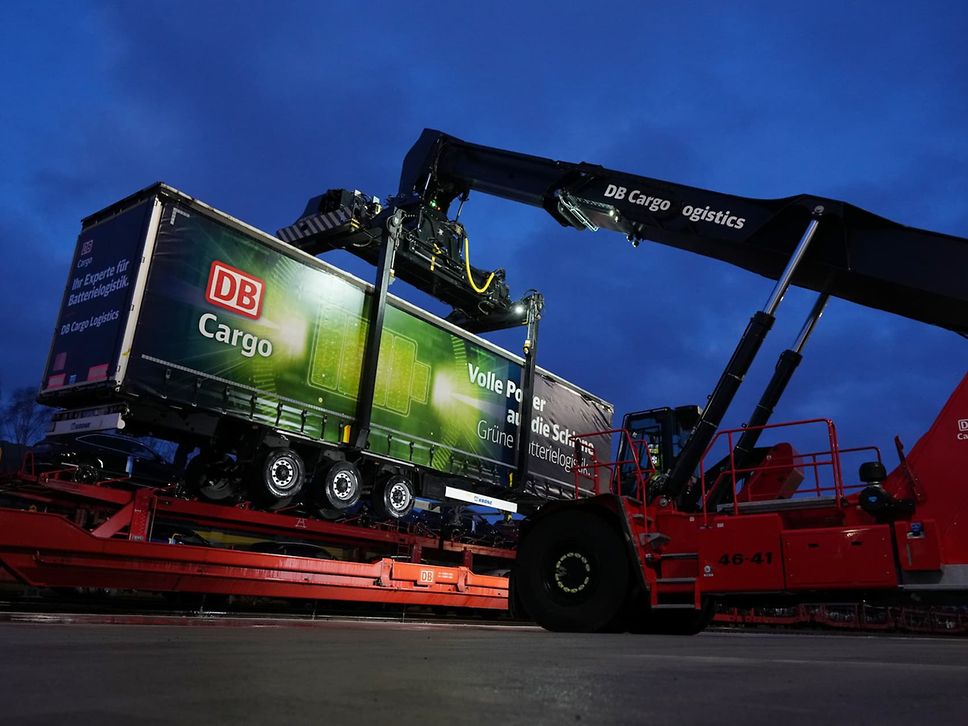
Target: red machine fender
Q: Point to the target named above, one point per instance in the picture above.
(935, 474)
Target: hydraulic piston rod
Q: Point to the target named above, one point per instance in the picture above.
(785, 367)
(731, 378)
(783, 283)
(720, 491)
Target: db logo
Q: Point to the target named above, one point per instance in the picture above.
(234, 290)
(963, 424)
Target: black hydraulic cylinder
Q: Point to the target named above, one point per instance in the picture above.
(374, 333)
(729, 382)
(722, 395)
(785, 367)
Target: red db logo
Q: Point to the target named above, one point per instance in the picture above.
(232, 289)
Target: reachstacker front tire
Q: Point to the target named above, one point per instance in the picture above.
(572, 572)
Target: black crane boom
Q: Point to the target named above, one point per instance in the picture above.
(857, 255)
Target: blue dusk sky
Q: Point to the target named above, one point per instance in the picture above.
(254, 107)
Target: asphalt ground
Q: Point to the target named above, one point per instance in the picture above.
(350, 672)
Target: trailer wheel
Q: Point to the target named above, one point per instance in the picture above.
(393, 497)
(213, 478)
(572, 572)
(338, 487)
(86, 474)
(281, 477)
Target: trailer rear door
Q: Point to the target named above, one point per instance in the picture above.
(97, 313)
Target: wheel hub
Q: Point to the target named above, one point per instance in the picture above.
(343, 486)
(572, 572)
(283, 474)
(399, 497)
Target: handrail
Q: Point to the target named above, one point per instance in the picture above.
(811, 460)
(596, 465)
(592, 471)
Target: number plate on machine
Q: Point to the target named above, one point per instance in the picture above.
(741, 554)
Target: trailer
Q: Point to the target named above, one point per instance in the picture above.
(298, 386)
(333, 439)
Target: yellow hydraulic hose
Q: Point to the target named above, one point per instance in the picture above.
(470, 277)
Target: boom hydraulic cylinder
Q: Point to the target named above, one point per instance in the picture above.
(729, 382)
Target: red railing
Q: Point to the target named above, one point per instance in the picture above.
(631, 475)
(589, 468)
(815, 461)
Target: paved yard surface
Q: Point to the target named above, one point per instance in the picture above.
(347, 672)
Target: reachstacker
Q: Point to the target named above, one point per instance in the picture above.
(686, 515)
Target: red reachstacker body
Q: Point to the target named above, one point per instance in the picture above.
(795, 542)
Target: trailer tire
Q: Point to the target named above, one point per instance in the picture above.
(280, 478)
(213, 478)
(393, 497)
(572, 572)
(338, 487)
(86, 474)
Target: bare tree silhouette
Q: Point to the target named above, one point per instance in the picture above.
(23, 419)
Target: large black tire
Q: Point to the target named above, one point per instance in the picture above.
(338, 487)
(572, 572)
(213, 478)
(280, 478)
(675, 622)
(393, 497)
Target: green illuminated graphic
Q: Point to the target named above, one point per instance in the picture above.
(337, 356)
(441, 399)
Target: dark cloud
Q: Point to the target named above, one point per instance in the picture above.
(255, 107)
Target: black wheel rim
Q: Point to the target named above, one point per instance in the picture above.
(570, 575)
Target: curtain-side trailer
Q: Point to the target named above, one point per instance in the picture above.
(182, 322)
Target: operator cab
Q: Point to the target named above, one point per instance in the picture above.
(657, 437)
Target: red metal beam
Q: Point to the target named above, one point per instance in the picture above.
(46, 550)
(151, 502)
